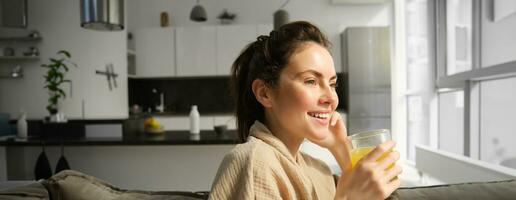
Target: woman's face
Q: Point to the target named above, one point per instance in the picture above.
(305, 96)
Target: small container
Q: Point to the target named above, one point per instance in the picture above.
(22, 126)
(8, 51)
(220, 129)
(34, 34)
(195, 120)
(164, 20)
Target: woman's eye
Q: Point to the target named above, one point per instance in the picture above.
(333, 85)
(310, 82)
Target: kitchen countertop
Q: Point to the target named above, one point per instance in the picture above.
(167, 138)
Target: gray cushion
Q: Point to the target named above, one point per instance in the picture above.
(499, 190)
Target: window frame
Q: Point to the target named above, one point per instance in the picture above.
(468, 81)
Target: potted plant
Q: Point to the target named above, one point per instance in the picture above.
(226, 17)
(54, 78)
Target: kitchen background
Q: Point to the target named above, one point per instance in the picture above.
(57, 22)
(179, 61)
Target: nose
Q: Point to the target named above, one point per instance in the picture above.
(328, 96)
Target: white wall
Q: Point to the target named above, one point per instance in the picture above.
(332, 19)
(156, 167)
(58, 22)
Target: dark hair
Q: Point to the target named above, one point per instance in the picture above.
(264, 59)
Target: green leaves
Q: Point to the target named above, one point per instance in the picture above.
(64, 52)
(55, 76)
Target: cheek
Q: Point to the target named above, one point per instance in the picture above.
(300, 100)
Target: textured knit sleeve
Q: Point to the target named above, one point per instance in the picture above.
(245, 173)
(234, 178)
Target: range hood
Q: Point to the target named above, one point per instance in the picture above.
(13, 13)
(105, 15)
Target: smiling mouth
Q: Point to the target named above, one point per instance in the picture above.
(319, 115)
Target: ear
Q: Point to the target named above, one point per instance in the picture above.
(262, 93)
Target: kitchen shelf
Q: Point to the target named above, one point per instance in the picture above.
(19, 58)
(21, 39)
(206, 137)
(10, 77)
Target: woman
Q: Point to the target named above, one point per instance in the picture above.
(284, 90)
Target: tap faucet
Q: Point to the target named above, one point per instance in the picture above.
(161, 106)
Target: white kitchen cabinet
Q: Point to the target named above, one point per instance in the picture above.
(196, 51)
(155, 52)
(231, 40)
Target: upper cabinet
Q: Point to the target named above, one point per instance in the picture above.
(192, 51)
(231, 40)
(155, 52)
(196, 51)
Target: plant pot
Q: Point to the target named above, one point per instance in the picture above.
(57, 118)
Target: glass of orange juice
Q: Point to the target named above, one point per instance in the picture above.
(364, 142)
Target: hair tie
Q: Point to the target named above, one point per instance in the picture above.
(262, 38)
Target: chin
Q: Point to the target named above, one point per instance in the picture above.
(319, 133)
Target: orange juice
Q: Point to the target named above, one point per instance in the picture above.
(358, 153)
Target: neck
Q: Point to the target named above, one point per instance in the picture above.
(289, 139)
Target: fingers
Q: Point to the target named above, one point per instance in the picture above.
(390, 159)
(334, 118)
(377, 152)
(392, 173)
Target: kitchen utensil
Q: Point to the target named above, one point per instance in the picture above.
(62, 164)
(42, 169)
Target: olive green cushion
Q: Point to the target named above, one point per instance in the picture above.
(69, 184)
(30, 192)
(499, 190)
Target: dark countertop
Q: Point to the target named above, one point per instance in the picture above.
(167, 138)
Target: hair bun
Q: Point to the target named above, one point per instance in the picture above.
(274, 35)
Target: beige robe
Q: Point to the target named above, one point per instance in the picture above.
(263, 168)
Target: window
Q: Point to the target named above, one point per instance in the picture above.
(475, 84)
(497, 124)
(458, 36)
(451, 121)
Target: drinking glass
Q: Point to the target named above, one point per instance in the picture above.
(364, 142)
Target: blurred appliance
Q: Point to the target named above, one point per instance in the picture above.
(366, 61)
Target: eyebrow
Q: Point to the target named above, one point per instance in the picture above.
(316, 73)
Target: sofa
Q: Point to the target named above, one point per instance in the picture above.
(74, 185)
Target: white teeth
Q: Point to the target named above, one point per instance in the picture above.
(320, 115)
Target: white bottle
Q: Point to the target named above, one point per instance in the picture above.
(195, 120)
(22, 126)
